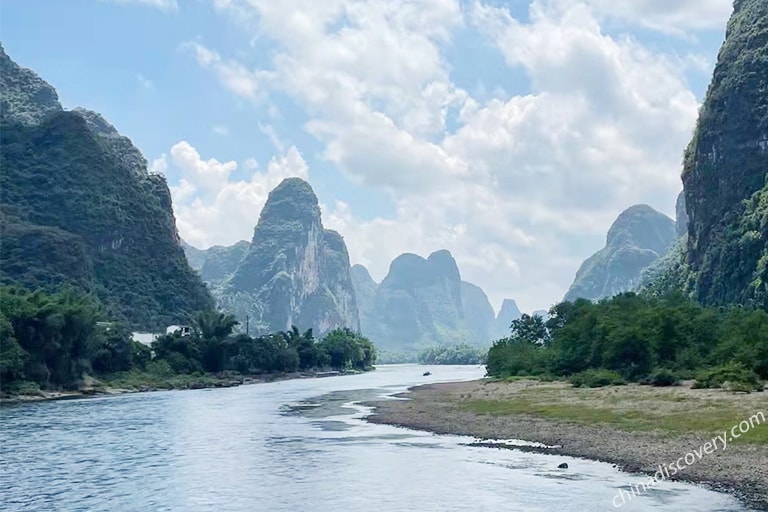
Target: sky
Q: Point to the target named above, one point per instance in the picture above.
(511, 133)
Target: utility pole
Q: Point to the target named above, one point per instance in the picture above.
(246, 325)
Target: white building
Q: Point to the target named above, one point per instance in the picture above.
(184, 330)
(145, 338)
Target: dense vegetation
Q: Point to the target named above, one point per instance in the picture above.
(52, 341)
(78, 208)
(637, 336)
(725, 172)
(453, 354)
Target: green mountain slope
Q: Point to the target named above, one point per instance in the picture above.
(294, 272)
(422, 302)
(639, 236)
(80, 207)
(726, 166)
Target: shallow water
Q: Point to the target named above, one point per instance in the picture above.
(287, 446)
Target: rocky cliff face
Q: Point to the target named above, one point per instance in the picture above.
(508, 312)
(195, 256)
(220, 262)
(478, 312)
(365, 292)
(681, 215)
(294, 272)
(422, 302)
(638, 237)
(725, 169)
(79, 207)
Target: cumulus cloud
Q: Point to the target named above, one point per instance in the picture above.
(526, 186)
(211, 208)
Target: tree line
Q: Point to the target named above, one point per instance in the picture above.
(453, 354)
(637, 337)
(51, 340)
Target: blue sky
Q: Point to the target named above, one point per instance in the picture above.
(511, 133)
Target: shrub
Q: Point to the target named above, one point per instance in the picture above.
(731, 377)
(160, 368)
(596, 379)
(663, 377)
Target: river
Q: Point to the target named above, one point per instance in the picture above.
(297, 445)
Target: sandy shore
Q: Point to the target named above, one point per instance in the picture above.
(635, 427)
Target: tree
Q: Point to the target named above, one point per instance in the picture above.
(531, 329)
(215, 325)
(346, 349)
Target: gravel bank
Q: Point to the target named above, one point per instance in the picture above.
(741, 469)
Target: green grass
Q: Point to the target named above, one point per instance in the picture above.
(626, 412)
(136, 380)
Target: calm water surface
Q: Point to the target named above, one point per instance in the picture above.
(288, 446)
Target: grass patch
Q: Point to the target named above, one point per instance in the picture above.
(630, 408)
(596, 379)
(137, 380)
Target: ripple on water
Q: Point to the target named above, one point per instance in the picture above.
(279, 447)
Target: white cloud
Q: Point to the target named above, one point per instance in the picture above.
(159, 164)
(527, 186)
(269, 131)
(220, 129)
(213, 209)
(210, 175)
(235, 77)
(144, 81)
(163, 5)
(676, 17)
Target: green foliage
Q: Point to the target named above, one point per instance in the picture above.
(637, 336)
(388, 357)
(662, 377)
(48, 339)
(510, 356)
(455, 354)
(732, 376)
(53, 340)
(215, 324)
(725, 169)
(348, 350)
(596, 379)
(78, 211)
(530, 329)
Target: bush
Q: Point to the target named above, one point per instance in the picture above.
(596, 379)
(160, 368)
(731, 377)
(663, 377)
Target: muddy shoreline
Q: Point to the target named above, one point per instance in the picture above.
(103, 390)
(740, 469)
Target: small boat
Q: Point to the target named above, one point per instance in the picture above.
(427, 374)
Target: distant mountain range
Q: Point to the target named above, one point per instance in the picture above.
(717, 250)
(638, 237)
(296, 272)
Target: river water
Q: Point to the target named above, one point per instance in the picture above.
(297, 445)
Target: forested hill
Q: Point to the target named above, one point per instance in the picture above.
(79, 208)
(725, 172)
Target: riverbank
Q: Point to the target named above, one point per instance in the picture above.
(140, 382)
(635, 427)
